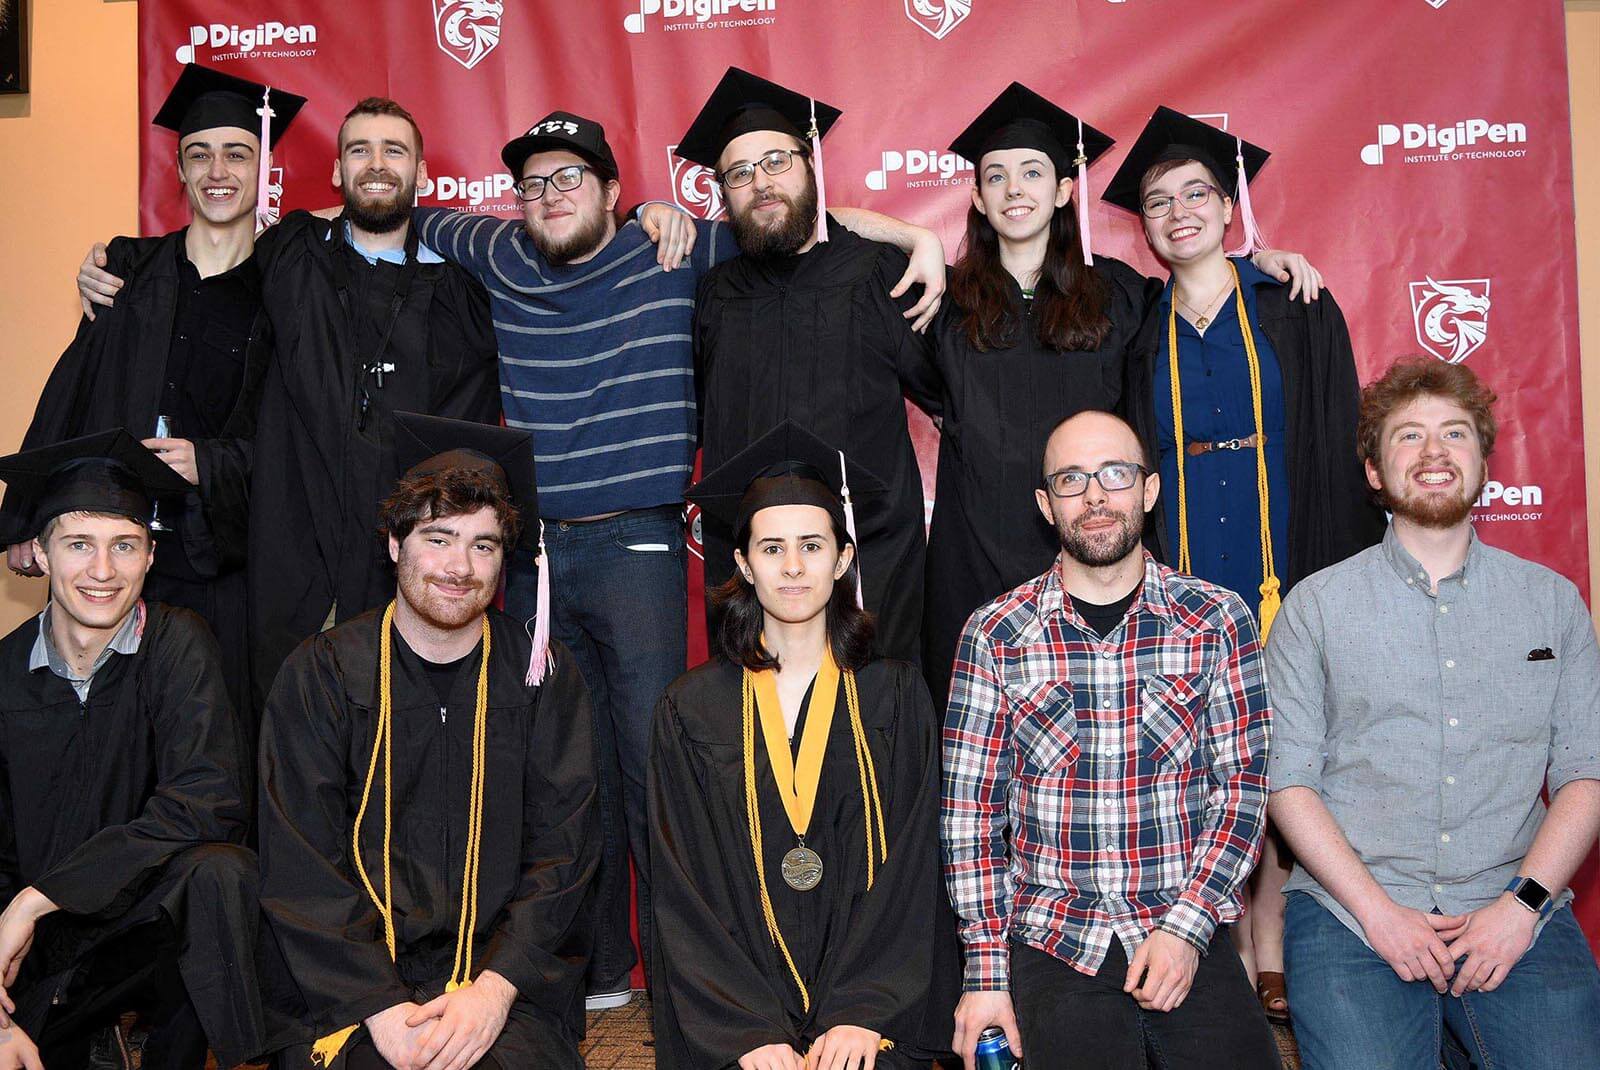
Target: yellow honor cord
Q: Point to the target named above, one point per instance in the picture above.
(1270, 599)
(752, 686)
(797, 779)
(327, 1048)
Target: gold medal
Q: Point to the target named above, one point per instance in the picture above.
(802, 869)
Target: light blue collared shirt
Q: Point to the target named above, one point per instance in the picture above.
(45, 655)
(425, 255)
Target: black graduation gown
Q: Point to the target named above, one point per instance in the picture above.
(112, 376)
(826, 346)
(886, 960)
(1331, 512)
(539, 849)
(987, 534)
(106, 806)
(314, 499)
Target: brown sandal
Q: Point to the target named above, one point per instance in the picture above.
(1274, 996)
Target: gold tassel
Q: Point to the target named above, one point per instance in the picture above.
(324, 1051)
(1270, 604)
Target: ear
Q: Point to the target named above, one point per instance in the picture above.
(977, 196)
(338, 173)
(1063, 192)
(843, 566)
(422, 173)
(742, 565)
(1374, 477)
(394, 549)
(1227, 209)
(613, 191)
(1152, 490)
(40, 557)
(1041, 498)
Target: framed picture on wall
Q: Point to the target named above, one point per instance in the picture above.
(13, 46)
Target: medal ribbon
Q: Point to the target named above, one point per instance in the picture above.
(797, 780)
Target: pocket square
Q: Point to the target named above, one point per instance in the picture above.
(1544, 653)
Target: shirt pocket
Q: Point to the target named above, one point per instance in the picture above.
(1045, 731)
(1170, 715)
(1530, 696)
(214, 387)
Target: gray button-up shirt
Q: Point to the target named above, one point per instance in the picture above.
(1429, 722)
(44, 654)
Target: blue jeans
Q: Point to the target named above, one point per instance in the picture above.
(1351, 1010)
(618, 600)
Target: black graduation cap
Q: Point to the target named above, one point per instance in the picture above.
(1172, 135)
(425, 444)
(561, 130)
(203, 98)
(743, 103)
(786, 466)
(1019, 118)
(108, 472)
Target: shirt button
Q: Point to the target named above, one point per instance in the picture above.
(1452, 722)
(1222, 482)
(1108, 654)
(1444, 609)
(1444, 837)
(1111, 851)
(1410, 581)
(1105, 802)
(1449, 663)
(1109, 752)
(1105, 704)
(1438, 887)
(1449, 780)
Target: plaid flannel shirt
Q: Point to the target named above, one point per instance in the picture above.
(1097, 786)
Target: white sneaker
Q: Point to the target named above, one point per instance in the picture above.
(605, 1001)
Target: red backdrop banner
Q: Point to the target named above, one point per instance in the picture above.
(1421, 148)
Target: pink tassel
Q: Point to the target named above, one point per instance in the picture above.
(539, 658)
(1254, 241)
(264, 178)
(1081, 195)
(822, 186)
(850, 525)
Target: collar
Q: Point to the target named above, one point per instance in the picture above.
(44, 654)
(1152, 596)
(1410, 570)
(425, 255)
(246, 272)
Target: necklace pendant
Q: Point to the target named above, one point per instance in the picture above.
(802, 868)
(1203, 322)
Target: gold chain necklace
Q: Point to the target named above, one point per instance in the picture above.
(1202, 319)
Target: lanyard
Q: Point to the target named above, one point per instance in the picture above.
(356, 310)
(797, 779)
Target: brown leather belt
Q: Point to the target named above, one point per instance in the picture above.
(1197, 448)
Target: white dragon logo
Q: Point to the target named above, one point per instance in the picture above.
(694, 187)
(468, 30)
(1452, 319)
(938, 17)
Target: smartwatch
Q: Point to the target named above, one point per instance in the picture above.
(1532, 895)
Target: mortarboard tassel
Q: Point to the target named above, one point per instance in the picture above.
(1081, 195)
(1253, 242)
(539, 657)
(264, 175)
(850, 525)
(822, 186)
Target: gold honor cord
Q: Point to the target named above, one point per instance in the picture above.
(751, 690)
(1270, 598)
(327, 1048)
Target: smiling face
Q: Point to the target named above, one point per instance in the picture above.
(1186, 235)
(1431, 466)
(774, 215)
(1018, 193)
(793, 561)
(96, 566)
(378, 170)
(448, 568)
(569, 226)
(220, 168)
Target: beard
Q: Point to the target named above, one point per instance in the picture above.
(783, 237)
(1101, 548)
(379, 215)
(434, 609)
(1436, 510)
(590, 235)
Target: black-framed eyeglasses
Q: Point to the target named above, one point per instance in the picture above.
(1191, 197)
(1072, 482)
(565, 180)
(775, 162)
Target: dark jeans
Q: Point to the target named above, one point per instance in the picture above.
(618, 597)
(1071, 1021)
(1350, 1009)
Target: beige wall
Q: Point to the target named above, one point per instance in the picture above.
(69, 175)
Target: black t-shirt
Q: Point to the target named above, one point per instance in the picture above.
(1103, 619)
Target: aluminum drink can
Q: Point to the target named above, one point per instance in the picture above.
(993, 1051)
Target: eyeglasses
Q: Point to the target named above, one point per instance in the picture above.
(565, 181)
(775, 162)
(1071, 483)
(1191, 197)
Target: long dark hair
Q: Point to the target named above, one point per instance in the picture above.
(1069, 298)
(850, 628)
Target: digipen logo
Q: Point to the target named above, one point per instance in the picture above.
(1437, 4)
(274, 195)
(473, 192)
(696, 542)
(266, 39)
(467, 30)
(938, 17)
(1451, 316)
(694, 188)
(702, 14)
(923, 168)
(1448, 142)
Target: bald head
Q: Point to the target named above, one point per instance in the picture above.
(1090, 439)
